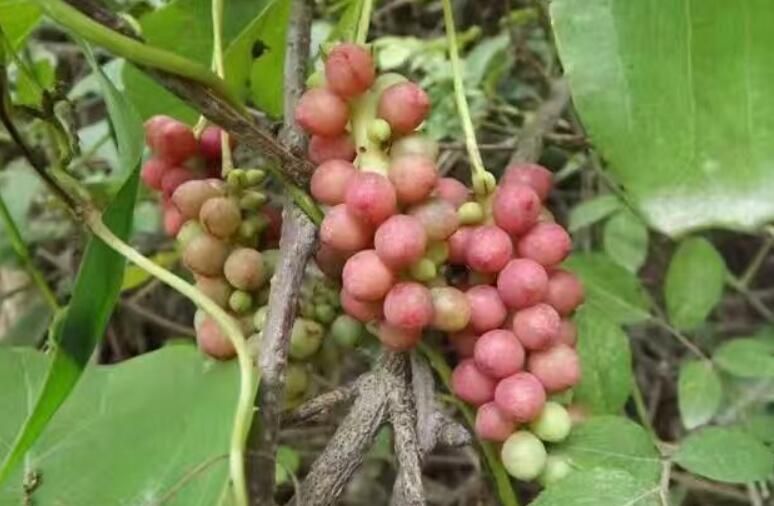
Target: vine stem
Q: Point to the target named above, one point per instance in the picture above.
(483, 181)
(364, 22)
(247, 383)
(220, 69)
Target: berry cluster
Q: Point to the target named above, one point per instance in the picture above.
(416, 251)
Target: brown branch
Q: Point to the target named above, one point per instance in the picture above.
(321, 405)
(530, 144)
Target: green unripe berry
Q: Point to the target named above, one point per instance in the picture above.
(305, 339)
(297, 380)
(437, 252)
(557, 467)
(423, 270)
(236, 179)
(253, 200)
(270, 260)
(259, 318)
(523, 455)
(346, 331)
(470, 213)
(484, 184)
(254, 177)
(307, 310)
(553, 424)
(190, 230)
(240, 302)
(379, 130)
(324, 313)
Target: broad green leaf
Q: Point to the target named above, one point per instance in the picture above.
(694, 282)
(625, 239)
(610, 289)
(18, 18)
(606, 363)
(613, 442)
(592, 211)
(267, 70)
(725, 454)
(346, 28)
(677, 97)
(699, 392)
(761, 426)
(134, 277)
(129, 433)
(600, 487)
(746, 358)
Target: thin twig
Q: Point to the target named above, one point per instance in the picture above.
(176, 328)
(530, 144)
(320, 405)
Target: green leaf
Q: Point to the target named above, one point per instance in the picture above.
(761, 426)
(625, 239)
(592, 211)
(606, 363)
(694, 282)
(677, 96)
(699, 392)
(27, 91)
(725, 454)
(599, 487)
(610, 289)
(746, 358)
(613, 442)
(488, 54)
(142, 426)
(267, 71)
(18, 18)
(346, 28)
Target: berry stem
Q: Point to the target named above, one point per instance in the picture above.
(361, 34)
(244, 411)
(483, 181)
(220, 70)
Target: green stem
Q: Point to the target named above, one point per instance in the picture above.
(642, 410)
(483, 181)
(364, 21)
(137, 52)
(21, 250)
(244, 411)
(227, 162)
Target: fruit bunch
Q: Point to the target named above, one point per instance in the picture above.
(416, 251)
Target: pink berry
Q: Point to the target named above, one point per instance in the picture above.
(400, 241)
(515, 208)
(458, 245)
(210, 145)
(173, 178)
(557, 368)
(364, 311)
(321, 149)
(153, 127)
(522, 283)
(537, 327)
(546, 243)
(565, 292)
(173, 220)
(414, 177)
(487, 310)
(489, 249)
(520, 396)
(371, 198)
(463, 343)
(342, 231)
(452, 191)
(498, 353)
(398, 338)
(329, 181)
(471, 385)
(492, 424)
(213, 342)
(404, 106)
(349, 70)
(408, 305)
(568, 333)
(153, 172)
(321, 112)
(535, 176)
(176, 142)
(438, 217)
(366, 277)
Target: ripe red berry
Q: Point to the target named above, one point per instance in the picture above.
(172, 178)
(210, 143)
(404, 106)
(463, 343)
(471, 385)
(342, 231)
(546, 243)
(535, 176)
(366, 277)
(489, 249)
(321, 112)
(515, 208)
(191, 195)
(398, 338)
(400, 241)
(175, 142)
(173, 220)
(322, 149)
(438, 217)
(153, 128)
(458, 245)
(363, 311)
(408, 305)
(349, 70)
(498, 353)
(565, 292)
(537, 327)
(371, 198)
(414, 177)
(329, 181)
(153, 171)
(520, 396)
(487, 310)
(492, 424)
(213, 342)
(557, 368)
(452, 191)
(522, 283)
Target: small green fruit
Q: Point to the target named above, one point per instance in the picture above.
(557, 468)
(305, 339)
(437, 252)
(346, 331)
(259, 318)
(240, 302)
(379, 130)
(470, 213)
(523, 455)
(324, 313)
(423, 270)
(553, 424)
(297, 380)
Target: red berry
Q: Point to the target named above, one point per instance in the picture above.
(175, 142)
(404, 106)
(522, 283)
(349, 70)
(492, 424)
(546, 243)
(400, 241)
(398, 338)
(342, 231)
(414, 177)
(173, 220)
(371, 198)
(153, 128)
(153, 171)
(535, 176)
(557, 368)
(409, 305)
(537, 327)
(520, 396)
(471, 385)
(515, 208)
(498, 353)
(363, 311)
(438, 217)
(322, 149)
(321, 112)
(452, 191)
(173, 178)
(329, 181)
(565, 292)
(458, 245)
(489, 249)
(366, 277)
(210, 143)
(487, 310)
(213, 342)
